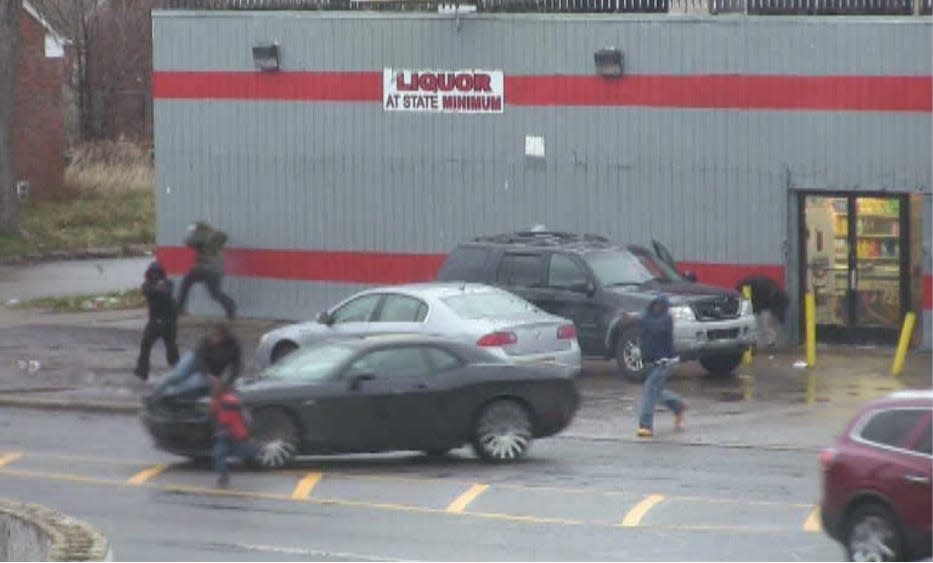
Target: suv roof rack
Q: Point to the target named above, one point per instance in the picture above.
(543, 238)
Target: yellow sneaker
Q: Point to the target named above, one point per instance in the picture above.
(644, 433)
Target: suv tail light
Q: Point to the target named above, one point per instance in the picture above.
(494, 339)
(567, 332)
(827, 457)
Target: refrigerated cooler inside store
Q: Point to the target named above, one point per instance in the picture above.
(856, 260)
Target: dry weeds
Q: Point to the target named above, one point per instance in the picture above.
(107, 168)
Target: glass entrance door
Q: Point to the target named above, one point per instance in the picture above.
(855, 263)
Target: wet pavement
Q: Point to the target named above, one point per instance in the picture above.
(89, 357)
(571, 499)
(739, 484)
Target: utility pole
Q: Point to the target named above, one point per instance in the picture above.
(9, 43)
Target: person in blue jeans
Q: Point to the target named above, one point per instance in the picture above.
(657, 351)
(216, 355)
(231, 429)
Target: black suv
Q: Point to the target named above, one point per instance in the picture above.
(604, 287)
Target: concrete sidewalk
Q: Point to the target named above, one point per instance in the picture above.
(23, 283)
(85, 361)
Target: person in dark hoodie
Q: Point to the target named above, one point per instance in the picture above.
(218, 355)
(657, 351)
(208, 245)
(157, 289)
(769, 303)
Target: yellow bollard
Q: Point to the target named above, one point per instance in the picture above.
(810, 311)
(747, 356)
(748, 387)
(901, 354)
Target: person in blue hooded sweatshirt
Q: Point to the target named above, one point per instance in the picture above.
(657, 351)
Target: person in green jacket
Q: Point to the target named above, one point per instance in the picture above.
(208, 243)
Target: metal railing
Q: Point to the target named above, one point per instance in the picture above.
(752, 7)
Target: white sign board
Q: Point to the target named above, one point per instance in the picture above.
(443, 91)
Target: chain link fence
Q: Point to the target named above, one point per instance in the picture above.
(752, 7)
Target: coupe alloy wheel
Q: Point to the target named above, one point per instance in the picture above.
(276, 439)
(503, 432)
(275, 453)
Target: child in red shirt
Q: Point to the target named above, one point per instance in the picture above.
(231, 436)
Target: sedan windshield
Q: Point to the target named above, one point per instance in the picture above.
(618, 269)
(489, 305)
(310, 364)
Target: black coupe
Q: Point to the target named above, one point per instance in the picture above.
(380, 394)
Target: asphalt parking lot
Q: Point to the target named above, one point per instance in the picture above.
(573, 498)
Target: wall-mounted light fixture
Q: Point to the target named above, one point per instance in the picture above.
(608, 62)
(266, 57)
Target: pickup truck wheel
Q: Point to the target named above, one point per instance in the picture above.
(721, 364)
(628, 355)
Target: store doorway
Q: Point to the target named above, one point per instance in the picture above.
(855, 259)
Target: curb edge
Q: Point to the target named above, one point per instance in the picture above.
(71, 539)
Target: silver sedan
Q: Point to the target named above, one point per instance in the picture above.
(496, 320)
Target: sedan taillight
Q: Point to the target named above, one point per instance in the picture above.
(494, 339)
(567, 332)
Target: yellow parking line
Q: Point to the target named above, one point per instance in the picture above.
(445, 480)
(461, 502)
(743, 501)
(305, 486)
(529, 519)
(10, 458)
(635, 515)
(813, 521)
(147, 474)
(61, 477)
(381, 506)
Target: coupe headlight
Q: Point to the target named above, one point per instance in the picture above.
(683, 313)
(746, 307)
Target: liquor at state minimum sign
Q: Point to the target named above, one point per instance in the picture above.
(443, 91)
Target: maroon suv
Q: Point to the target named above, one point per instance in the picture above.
(876, 481)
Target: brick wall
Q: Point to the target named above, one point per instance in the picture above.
(39, 115)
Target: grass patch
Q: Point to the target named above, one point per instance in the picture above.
(109, 201)
(118, 300)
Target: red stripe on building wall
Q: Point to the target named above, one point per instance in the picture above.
(875, 93)
(396, 268)
(314, 265)
(388, 268)
(762, 92)
(299, 86)
(729, 275)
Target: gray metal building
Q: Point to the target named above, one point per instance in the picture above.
(724, 138)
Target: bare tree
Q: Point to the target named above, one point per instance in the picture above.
(73, 19)
(9, 47)
(120, 53)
